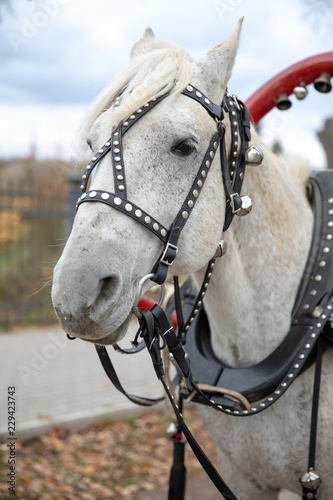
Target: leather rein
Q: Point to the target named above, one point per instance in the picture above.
(155, 331)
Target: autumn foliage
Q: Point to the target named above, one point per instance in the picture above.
(119, 459)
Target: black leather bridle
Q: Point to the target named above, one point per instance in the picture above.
(232, 173)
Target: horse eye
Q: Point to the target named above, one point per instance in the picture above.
(184, 148)
(89, 144)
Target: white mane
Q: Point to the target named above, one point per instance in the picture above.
(147, 76)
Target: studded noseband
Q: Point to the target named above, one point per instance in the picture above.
(232, 173)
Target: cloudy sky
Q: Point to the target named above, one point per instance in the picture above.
(56, 55)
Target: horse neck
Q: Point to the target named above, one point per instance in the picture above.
(253, 288)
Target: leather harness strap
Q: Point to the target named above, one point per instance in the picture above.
(149, 329)
(311, 481)
(112, 375)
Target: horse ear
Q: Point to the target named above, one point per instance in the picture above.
(145, 44)
(214, 69)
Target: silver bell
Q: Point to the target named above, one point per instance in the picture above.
(301, 91)
(323, 83)
(221, 249)
(310, 480)
(283, 102)
(246, 206)
(172, 429)
(253, 156)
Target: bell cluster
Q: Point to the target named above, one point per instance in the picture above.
(321, 84)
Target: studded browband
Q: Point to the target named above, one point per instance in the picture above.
(232, 173)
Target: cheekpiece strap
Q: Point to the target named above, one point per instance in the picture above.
(119, 201)
(233, 171)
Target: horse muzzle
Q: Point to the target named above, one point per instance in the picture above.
(89, 306)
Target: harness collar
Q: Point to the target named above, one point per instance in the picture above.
(266, 381)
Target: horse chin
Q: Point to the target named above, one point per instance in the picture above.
(102, 333)
(116, 335)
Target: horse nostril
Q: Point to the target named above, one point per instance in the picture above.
(110, 288)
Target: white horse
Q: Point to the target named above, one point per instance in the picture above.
(254, 285)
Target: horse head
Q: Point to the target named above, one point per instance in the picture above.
(107, 254)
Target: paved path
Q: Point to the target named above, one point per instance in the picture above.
(59, 381)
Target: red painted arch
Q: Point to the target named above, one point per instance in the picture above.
(308, 70)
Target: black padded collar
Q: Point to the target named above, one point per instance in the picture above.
(310, 317)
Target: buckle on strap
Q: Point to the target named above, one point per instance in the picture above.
(235, 202)
(169, 254)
